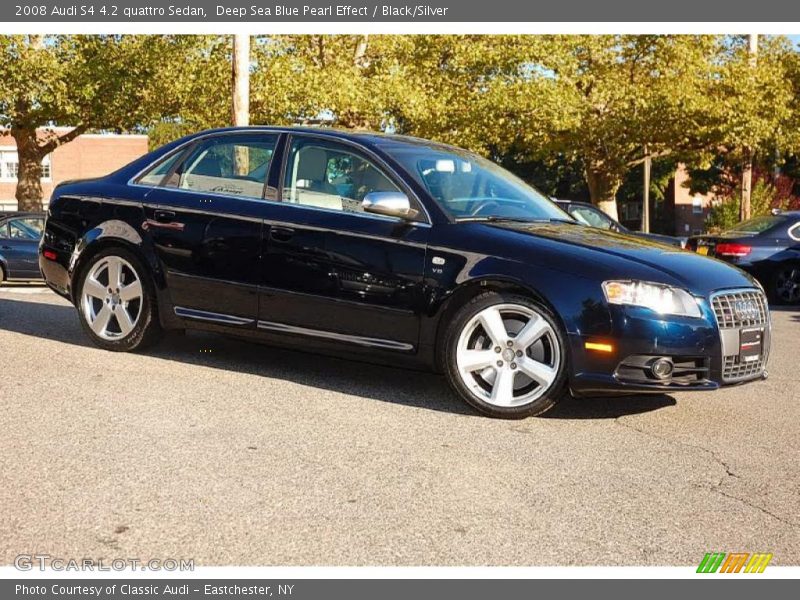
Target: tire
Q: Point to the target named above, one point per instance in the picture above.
(478, 348)
(2, 275)
(132, 323)
(784, 285)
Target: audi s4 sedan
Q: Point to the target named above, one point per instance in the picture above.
(395, 250)
(767, 247)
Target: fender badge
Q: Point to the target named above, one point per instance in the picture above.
(438, 260)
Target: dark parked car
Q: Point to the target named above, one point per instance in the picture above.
(588, 214)
(20, 233)
(397, 250)
(767, 247)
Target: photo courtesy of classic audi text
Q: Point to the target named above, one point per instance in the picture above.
(373, 299)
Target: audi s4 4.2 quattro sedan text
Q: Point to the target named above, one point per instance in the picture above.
(395, 250)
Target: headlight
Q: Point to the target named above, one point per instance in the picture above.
(662, 299)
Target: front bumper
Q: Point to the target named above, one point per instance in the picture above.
(706, 352)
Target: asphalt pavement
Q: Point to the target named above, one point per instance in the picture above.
(233, 453)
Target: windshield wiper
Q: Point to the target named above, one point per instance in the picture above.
(495, 219)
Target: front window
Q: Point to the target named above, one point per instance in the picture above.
(469, 187)
(25, 229)
(325, 174)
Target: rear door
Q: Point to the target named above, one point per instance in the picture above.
(19, 243)
(205, 219)
(331, 270)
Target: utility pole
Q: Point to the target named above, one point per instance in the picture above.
(240, 107)
(646, 195)
(747, 166)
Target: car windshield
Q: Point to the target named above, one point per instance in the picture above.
(468, 187)
(757, 225)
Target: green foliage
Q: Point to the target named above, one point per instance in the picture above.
(764, 197)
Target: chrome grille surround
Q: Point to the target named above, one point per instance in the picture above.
(735, 310)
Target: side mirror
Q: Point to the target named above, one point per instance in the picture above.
(389, 204)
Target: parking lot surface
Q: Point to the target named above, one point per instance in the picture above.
(232, 453)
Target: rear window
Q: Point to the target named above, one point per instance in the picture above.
(757, 225)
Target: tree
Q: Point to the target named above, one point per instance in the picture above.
(83, 82)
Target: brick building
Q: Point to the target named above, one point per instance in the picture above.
(689, 210)
(88, 155)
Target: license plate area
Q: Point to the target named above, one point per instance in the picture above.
(751, 343)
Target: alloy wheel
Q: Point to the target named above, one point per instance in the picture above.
(508, 355)
(112, 298)
(787, 285)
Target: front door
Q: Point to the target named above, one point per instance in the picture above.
(332, 270)
(205, 218)
(19, 243)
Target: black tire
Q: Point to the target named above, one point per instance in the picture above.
(778, 292)
(147, 329)
(462, 318)
(2, 275)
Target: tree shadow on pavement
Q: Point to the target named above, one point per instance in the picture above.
(419, 389)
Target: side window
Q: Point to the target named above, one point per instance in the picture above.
(590, 217)
(3, 230)
(232, 165)
(25, 229)
(329, 175)
(156, 174)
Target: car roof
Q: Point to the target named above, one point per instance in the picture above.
(367, 137)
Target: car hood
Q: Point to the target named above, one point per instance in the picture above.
(628, 256)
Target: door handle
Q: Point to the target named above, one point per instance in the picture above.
(163, 219)
(5, 247)
(281, 234)
(164, 216)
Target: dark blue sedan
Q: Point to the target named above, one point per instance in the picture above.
(19, 242)
(395, 250)
(767, 247)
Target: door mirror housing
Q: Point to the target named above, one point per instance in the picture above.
(389, 204)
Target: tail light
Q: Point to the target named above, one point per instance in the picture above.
(732, 250)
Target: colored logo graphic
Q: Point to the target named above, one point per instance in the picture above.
(736, 562)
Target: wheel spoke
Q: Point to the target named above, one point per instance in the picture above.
(535, 328)
(474, 360)
(541, 373)
(503, 390)
(124, 320)
(94, 288)
(114, 273)
(493, 325)
(100, 323)
(132, 291)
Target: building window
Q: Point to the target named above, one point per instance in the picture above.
(9, 166)
(697, 205)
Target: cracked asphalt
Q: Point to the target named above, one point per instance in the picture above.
(238, 454)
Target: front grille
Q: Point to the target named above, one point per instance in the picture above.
(724, 306)
(737, 310)
(733, 370)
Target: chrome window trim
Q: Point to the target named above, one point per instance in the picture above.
(289, 132)
(794, 232)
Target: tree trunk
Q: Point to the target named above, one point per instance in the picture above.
(747, 187)
(603, 188)
(29, 177)
(240, 106)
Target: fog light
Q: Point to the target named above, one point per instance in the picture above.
(661, 368)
